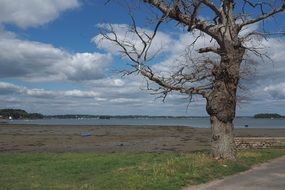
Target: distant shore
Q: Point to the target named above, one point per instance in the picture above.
(103, 139)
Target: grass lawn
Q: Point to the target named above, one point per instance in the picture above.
(88, 171)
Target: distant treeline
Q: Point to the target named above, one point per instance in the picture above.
(268, 115)
(70, 116)
(22, 114)
(19, 114)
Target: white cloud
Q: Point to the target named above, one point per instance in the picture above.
(9, 88)
(161, 43)
(88, 66)
(126, 98)
(264, 89)
(182, 53)
(171, 50)
(272, 70)
(81, 94)
(26, 13)
(267, 73)
(38, 62)
(277, 91)
(35, 61)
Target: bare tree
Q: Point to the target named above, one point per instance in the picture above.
(217, 79)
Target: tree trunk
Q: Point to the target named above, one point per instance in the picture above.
(221, 103)
(221, 106)
(223, 146)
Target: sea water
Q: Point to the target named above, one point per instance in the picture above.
(199, 122)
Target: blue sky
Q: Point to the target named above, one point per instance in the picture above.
(51, 62)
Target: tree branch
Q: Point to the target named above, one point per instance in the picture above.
(213, 7)
(210, 49)
(191, 21)
(163, 83)
(263, 16)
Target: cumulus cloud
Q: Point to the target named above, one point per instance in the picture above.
(9, 88)
(26, 13)
(88, 66)
(260, 90)
(35, 61)
(168, 51)
(41, 62)
(105, 99)
(160, 44)
(271, 71)
(264, 88)
(277, 91)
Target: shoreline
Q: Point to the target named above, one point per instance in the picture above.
(108, 138)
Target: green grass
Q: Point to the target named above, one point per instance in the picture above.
(87, 171)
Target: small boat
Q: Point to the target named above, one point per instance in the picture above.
(86, 134)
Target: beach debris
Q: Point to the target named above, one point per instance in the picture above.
(86, 134)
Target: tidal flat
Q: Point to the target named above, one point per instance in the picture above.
(114, 139)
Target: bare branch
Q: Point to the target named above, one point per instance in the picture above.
(115, 40)
(213, 7)
(263, 15)
(191, 21)
(210, 49)
(128, 48)
(163, 83)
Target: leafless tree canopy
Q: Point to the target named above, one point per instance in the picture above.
(229, 18)
(215, 74)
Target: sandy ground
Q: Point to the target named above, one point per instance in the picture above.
(41, 138)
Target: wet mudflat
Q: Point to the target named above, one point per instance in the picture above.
(106, 139)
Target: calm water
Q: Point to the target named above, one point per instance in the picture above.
(239, 122)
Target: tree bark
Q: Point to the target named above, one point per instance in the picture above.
(221, 102)
(221, 107)
(223, 146)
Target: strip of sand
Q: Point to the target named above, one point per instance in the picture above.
(103, 139)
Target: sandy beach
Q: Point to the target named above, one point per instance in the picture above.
(103, 139)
